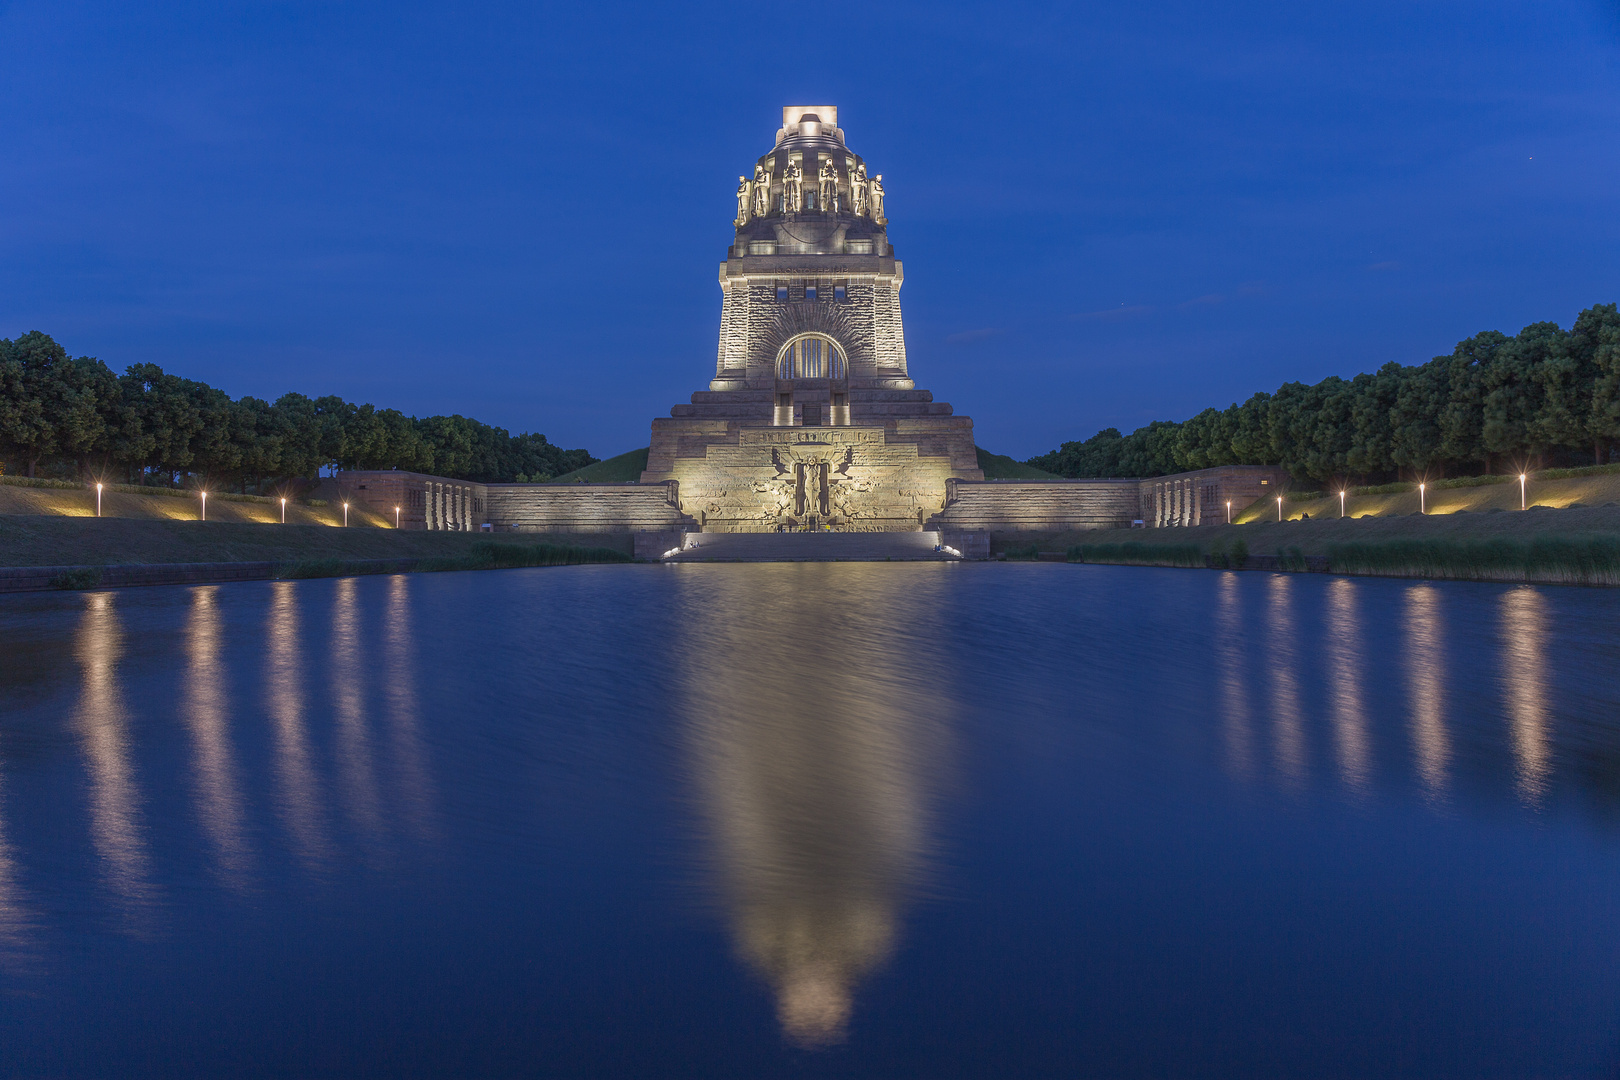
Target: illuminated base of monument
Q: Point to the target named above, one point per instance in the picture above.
(844, 479)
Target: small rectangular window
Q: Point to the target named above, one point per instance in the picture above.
(781, 292)
(809, 292)
(840, 293)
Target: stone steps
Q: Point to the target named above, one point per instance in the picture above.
(812, 547)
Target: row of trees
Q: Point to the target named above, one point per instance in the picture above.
(75, 416)
(1546, 396)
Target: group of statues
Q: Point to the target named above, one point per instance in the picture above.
(865, 194)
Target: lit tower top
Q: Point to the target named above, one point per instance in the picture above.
(811, 195)
(811, 256)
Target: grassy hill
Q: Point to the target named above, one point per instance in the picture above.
(615, 470)
(1002, 467)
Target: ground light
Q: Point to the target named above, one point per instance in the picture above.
(1423, 505)
(1341, 503)
(284, 511)
(396, 517)
(345, 515)
(1521, 491)
(98, 500)
(1279, 508)
(1229, 511)
(204, 495)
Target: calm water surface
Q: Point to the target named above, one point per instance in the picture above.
(812, 820)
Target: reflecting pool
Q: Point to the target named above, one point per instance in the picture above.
(817, 819)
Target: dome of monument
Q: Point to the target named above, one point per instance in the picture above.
(810, 194)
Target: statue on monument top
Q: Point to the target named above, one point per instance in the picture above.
(745, 199)
(793, 180)
(876, 186)
(829, 185)
(762, 191)
(857, 189)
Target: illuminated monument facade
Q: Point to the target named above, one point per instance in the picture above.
(812, 420)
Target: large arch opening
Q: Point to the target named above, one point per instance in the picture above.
(811, 356)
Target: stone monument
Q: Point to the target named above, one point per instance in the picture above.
(812, 420)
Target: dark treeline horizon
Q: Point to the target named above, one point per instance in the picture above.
(77, 418)
(1546, 396)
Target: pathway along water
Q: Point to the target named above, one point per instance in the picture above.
(836, 819)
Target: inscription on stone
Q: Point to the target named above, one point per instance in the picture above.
(836, 436)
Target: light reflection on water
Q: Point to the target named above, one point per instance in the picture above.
(1524, 643)
(1232, 651)
(116, 826)
(1426, 683)
(1348, 674)
(205, 708)
(298, 793)
(815, 766)
(350, 665)
(1288, 720)
(327, 749)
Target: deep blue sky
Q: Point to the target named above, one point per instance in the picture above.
(1108, 213)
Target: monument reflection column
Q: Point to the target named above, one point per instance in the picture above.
(815, 739)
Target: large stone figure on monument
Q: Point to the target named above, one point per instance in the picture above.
(762, 191)
(793, 180)
(812, 417)
(829, 185)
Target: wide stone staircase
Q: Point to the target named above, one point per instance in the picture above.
(812, 547)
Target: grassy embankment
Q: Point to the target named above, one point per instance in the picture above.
(61, 498)
(1478, 538)
(1002, 467)
(624, 469)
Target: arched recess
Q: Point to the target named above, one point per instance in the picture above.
(811, 356)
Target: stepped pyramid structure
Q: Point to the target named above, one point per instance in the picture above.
(812, 420)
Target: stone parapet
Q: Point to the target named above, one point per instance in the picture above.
(586, 508)
(1038, 505)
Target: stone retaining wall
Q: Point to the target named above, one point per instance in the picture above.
(586, 508)
(1038, 505)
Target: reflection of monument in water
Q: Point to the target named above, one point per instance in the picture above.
(814, 778)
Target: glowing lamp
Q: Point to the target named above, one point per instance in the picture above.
(98, 500)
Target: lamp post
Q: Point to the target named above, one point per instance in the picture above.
(204, 505)
(1423, 504)
(1341, 503)
(345, 515)
(396, 517)
(1521, 492)
(98, 500)
(284, 511)
(1279, 508)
